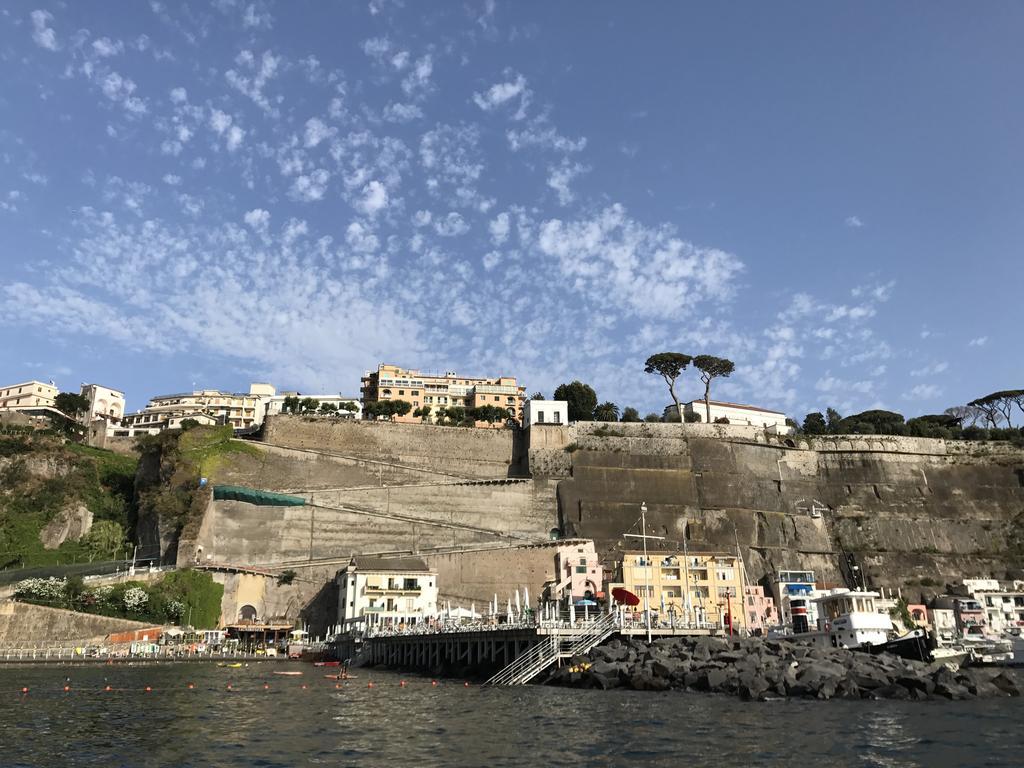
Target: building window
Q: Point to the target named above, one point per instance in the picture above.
(557, 417)
(540, 417)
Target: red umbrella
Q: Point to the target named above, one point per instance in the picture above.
(624, 596)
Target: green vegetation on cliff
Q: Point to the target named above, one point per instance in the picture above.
(45, 480)
(181, 597)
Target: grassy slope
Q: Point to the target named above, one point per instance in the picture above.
(100, 479)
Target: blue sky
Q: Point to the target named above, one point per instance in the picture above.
(248, 191)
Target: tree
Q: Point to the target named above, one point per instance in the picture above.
(537, 396)
(286, 577)
(833, 418)
(422, 413)
(399, 407)
(187, 424)
(71, 404)
(104, 539)
(349, 406)
(582, 400)
(669, 365)
(968, 415)
(309, 405)
(290, 404)
(607, 411)
(488, 413)
(814, 424)
(710, 368)
(692, 417)
(328, 408)
(998, 406)
(456, 415)
(652, 417)
(630, 414)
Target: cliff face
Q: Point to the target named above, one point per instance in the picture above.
(906, 509)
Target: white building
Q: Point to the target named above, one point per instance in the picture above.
(104, 403)
(379, 591)
(275, 404)
(1003, 604)
(736, 413)
(242, 410)
(28, 394)
(545, 412)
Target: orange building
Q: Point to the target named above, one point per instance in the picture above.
(450, 390)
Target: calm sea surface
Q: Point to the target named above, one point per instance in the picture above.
(424, 725)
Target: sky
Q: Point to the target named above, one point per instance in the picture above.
(211, 194)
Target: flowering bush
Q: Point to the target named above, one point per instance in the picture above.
(51, 589)
(175, 609)
(135, 599)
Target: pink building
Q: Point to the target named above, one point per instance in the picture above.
(760, 609)
(919, 615)
(578, 571)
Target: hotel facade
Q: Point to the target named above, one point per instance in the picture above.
(450, 390)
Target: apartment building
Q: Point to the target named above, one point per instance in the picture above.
(104, 403)
(207, 406)
(713, 581)
(28, 394)
(448, 390)
(379, 591)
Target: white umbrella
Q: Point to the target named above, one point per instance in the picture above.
(517, 601)
(509, 610)
(494, 611)
(572, 612)
(472, 610)
(526, 596)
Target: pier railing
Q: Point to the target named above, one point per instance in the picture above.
(542, 655)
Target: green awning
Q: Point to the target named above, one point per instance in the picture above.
(255, 496)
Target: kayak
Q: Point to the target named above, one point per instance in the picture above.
(289, 674)
(231, 666)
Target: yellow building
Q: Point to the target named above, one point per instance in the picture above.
(207, 406)
(714, 581)
(28, 394)
(389, 382)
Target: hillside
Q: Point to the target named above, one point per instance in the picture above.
(61, 502)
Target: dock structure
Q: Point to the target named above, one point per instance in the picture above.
(518, 654)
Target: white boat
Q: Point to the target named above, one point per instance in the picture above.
(984, 648)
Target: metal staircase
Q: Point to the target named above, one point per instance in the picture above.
(539, 657)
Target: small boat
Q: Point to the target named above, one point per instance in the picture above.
(287, 674)
(341, 677)
(236, 665)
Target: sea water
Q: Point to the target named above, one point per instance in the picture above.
(204, 715)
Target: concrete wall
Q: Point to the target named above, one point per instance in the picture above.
(477, 453)
(467, 577)
(27, 625)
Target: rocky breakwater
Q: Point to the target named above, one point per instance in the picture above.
(756, 669)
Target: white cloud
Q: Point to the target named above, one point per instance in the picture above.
(853, 221)
(179, 95)
(923, 392)
(561, 176)
(220, 121)
(310, 187)
(258, 219)
(499, 228)
(375, 47)
(419, 78)
(501, 93)
(361, 238)
(171, 179)
(121, 89)
(234, 138)
(317, 131)
(541, 135)
(402, 113)
(645, 271)
(422, 218)
(452, 225)
(36, 178)
(931, 370)
(980, 341)
(491, 260)
(253, 85)
(42, 34)
(105, 47)
(253, 18)
(374, 199)
(451, 157)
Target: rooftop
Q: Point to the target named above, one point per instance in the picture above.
(397, 564)
(742, 406)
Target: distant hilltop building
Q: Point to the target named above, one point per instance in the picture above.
(436, 391)
(28, 395)
(545, 412)
(104, 403)
(736, 413)
(241, 410)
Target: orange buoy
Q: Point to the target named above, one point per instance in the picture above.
(466, 685)
(191, 686)
(108, 689)
(149, 689)
(369, 684)
(229, 686)
(337, 685)
(303, 686)
(266, 687)
(24, 690)
(433, 682)
(402, 684)
(67, 688)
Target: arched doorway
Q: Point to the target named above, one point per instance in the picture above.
(247, 613)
